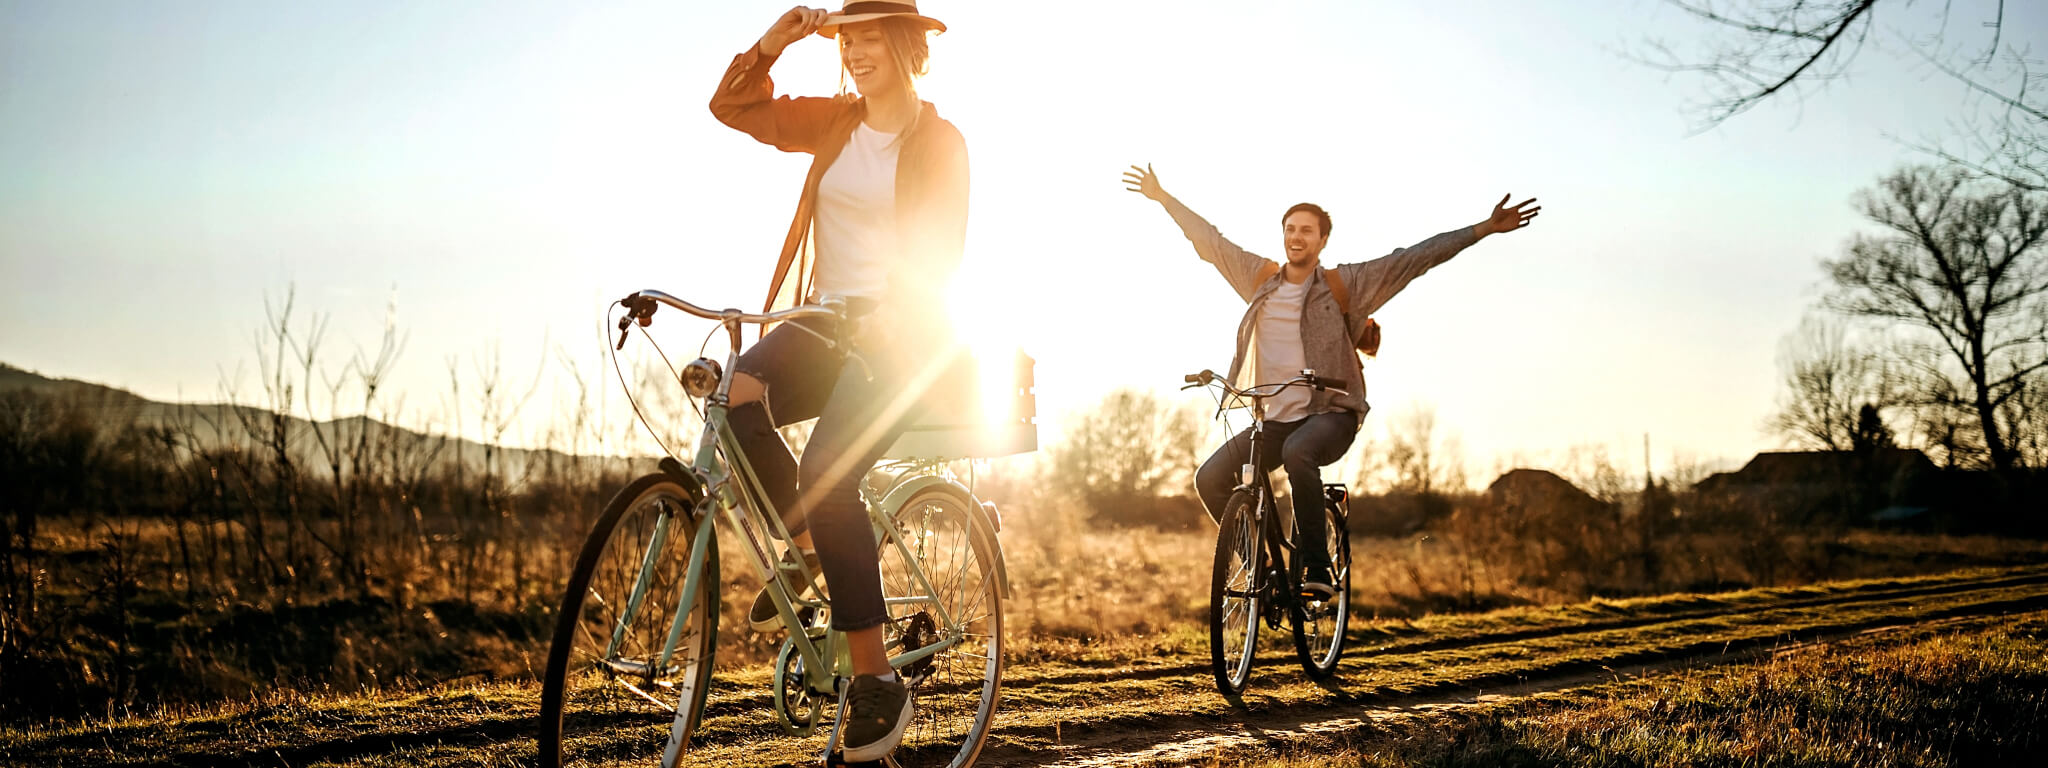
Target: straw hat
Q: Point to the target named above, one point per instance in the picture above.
(868, 10)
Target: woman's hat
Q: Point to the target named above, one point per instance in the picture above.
(868, 10)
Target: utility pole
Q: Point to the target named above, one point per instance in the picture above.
(1647, 512)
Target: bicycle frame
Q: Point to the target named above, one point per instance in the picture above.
(733, 489)
(1260, 485)
(1250, 478)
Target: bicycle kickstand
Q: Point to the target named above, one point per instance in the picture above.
(833, 757)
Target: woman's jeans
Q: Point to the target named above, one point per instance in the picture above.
(861, 410)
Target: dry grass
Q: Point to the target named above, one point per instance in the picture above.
(1147, 702)
(138, 576)
(131, 630)
(1979, 697)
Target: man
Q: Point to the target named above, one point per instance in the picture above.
(1293, 322)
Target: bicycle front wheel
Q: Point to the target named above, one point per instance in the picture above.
(1233, 594)
(1319, 626)
(628, 669)
(941, 580)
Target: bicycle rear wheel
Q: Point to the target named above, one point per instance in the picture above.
(625, 674)
(955, 691)
(1233, 594)
(1319, 626)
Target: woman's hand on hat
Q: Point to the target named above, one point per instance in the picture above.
(795, 24)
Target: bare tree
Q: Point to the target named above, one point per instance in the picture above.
(1870, 432)
(1126, 450)
(2028, 412)
(1827, 379)
(1757, 49)
(1961, 264)
(1417, 458)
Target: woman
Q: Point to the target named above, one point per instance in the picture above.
(880, 224)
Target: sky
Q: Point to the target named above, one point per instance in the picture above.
(486, 176)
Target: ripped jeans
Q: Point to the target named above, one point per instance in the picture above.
(860, 412)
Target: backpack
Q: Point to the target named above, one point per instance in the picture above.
(1369, 336)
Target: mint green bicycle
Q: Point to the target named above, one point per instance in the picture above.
(630, 664)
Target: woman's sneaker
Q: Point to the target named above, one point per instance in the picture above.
(1316, 585)
(876, 713)
(762, 617)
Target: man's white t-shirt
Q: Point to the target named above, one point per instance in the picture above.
(1280, 351)
(855, 223)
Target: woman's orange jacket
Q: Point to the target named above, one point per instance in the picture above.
(931, 186)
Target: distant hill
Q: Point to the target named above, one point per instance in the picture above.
(220, 424)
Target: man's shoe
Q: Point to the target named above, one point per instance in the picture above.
(762, 617)
(876, 714)
(1316, 585)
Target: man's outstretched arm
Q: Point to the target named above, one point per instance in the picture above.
(1385, 276)
(1239, 267)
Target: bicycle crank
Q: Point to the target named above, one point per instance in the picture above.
(919, 632)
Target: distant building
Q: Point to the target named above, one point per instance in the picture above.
(1536, 489)
(1824, 486)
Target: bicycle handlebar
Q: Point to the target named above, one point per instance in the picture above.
(640, 305)
(1308, 378)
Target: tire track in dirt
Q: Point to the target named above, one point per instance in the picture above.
(2028, 576)
(1021, 737)
(1180, 740)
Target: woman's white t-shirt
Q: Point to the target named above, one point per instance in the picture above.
(855, 222)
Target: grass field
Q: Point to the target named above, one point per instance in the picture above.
(1941, 670)
(1973, 694)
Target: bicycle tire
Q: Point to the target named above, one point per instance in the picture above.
(603, 706)
(1319, 629)
(1234, 600)
(955, 692)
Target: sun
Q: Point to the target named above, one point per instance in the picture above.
(991, 330)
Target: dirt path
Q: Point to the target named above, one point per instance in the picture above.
(1296, 726)
(1157, 709)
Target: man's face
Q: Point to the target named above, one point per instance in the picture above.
(1303, 234)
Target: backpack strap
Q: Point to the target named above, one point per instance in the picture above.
(1266, 272)
(1369, 332)
(1338, 291)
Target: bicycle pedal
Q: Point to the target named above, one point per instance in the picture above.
(807, 617)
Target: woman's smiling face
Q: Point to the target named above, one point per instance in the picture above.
(864, 52)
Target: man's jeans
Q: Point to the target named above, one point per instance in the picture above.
(1303, 446)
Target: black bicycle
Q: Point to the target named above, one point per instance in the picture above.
(1256, 579)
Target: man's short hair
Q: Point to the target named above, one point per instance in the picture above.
(1322, 217)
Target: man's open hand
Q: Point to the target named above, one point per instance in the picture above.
(1143, 181)
(1505, 219)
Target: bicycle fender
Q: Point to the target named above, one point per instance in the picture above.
(685, 478)
(902, 493)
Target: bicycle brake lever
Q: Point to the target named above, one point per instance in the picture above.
(639, 308)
